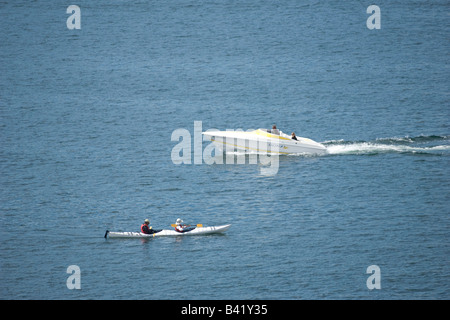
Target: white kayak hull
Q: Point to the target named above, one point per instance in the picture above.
(167, 233)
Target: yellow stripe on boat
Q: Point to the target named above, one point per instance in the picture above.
(268, 135)
(248, 148)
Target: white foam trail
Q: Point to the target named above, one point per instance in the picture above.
(374, 148)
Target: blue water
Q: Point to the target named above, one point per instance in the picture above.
(86, 118)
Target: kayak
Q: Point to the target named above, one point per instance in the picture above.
(163, 233)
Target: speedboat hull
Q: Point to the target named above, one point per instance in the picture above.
(262, 141)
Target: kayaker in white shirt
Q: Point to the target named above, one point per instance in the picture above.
(180, 227)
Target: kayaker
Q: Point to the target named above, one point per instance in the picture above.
(145, 228)
(179, 226)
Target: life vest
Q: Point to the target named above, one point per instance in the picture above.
(147, 229)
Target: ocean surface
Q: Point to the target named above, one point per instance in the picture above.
(86, 123)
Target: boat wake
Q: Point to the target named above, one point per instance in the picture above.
(433, 145)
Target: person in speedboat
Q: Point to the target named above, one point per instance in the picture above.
(293, 136)
(275, 130)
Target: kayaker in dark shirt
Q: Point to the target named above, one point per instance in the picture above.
(145, 228)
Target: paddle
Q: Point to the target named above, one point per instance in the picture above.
(198, 225)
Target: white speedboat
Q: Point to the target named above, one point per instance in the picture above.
(264, 141)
